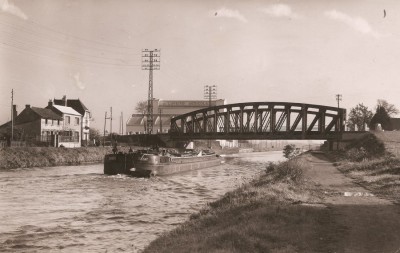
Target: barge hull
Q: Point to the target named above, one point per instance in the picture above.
(172, 168)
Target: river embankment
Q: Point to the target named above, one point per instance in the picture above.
(27, 157)
(316, 202)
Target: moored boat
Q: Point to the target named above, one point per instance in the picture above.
(145, 163)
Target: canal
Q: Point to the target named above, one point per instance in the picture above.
(78, 209)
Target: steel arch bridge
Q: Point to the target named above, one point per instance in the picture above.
(260, 120)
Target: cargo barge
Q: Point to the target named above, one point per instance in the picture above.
(149, 163)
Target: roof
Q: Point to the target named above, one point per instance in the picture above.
(46, 113)
(135, 120)
(76, 104)
(66, 110)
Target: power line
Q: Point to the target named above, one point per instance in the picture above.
(29, 27)
(71, 58)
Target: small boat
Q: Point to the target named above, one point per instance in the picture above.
(146, 163)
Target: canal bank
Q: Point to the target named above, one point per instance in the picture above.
(28, 157)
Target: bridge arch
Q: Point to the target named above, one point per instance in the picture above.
(260, 120)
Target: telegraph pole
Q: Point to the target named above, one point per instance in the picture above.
(160, 111)
(12, 114)
(111, 121)
(104, 134)
(150, 62)
(338, 98)
(210, 92)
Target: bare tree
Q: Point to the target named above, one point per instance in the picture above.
(390, 109)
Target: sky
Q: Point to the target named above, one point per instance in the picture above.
(303, 51)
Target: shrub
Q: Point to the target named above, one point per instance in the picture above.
(365, 148)
(290, 151)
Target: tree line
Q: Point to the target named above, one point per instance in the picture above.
(360, 116)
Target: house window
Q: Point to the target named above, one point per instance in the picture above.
(76, 121)
(67, 120)
(58, 122)
(46, 121)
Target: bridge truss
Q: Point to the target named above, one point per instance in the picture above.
(260, 120)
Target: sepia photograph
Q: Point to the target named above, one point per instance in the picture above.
(200, 126)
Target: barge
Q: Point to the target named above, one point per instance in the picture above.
(148, 163)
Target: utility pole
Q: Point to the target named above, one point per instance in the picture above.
(111, 121)
(210, 92)
(104, 134)
(12, 114)
(338, 98)
(160, 111)
(150, 61)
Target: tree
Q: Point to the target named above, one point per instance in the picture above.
(95, 135)
(390, 109)
(359, 116)
(381, 117)
(141, 107)
(290, 151)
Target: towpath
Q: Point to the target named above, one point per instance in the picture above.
(360, 221)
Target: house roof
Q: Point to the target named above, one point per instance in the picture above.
(46, 113)
(76, 104)
(66, 110)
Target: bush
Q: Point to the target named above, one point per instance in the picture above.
(290, 151)
(367, 147)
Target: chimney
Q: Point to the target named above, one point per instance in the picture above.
(14, 111)
(50, 103)
(64, 99)
(27, 106)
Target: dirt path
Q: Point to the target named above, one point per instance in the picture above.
(367, 223)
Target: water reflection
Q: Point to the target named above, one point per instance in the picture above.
(77, 208)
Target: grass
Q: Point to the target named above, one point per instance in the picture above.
(380, 175)
(266, 215)
(26, 157)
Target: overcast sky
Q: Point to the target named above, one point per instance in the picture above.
(289, 51)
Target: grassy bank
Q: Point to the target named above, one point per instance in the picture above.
(380, 175)
(45, 156)
(368, 162)
(278, 212)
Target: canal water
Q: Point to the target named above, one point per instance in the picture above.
(78, 209)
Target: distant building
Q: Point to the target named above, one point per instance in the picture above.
(163, 111)
(78, 106)
(62, 122)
